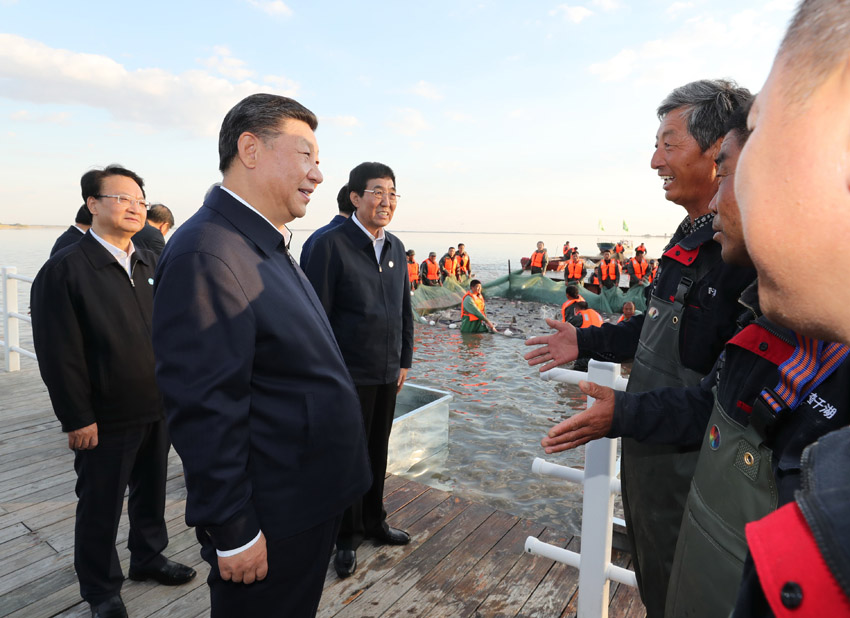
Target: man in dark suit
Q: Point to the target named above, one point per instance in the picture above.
(360, 273)
(345, 208)
(152, 235)
(82, 223)
(91, 319)
(259, 402)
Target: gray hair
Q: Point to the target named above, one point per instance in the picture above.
(816, 41)
(260, 114)
(707, 104)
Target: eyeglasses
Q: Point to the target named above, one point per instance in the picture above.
(379, 194)
(127, 200)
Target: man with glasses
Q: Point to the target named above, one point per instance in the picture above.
(360, 275)
(91, 318)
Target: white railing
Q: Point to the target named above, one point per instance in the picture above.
(12, 350)
(600, 482)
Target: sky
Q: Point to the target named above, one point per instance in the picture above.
(495, 116)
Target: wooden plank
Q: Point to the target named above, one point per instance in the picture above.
(475, 587)
(556, 591)
(432, 587)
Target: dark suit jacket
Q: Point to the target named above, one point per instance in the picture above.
(368, 304)
(259, 403)
(308, 244)
(149, 238)
(69, 237)
(92, 333)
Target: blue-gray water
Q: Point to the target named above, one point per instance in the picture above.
(501, 409)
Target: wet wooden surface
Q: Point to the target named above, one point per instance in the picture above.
(465, 559)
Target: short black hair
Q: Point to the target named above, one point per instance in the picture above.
(343, 200)
(84, 216)
(474, 282)
(91, 181)
(160, 213)
(572, 290)
(363, 173)
(260, 114)
(582, 305)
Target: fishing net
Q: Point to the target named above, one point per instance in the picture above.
(521, 286)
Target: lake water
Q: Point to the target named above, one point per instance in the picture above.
(501, 408)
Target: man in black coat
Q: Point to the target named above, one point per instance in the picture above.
(91, 318)
(259, 402)
(152, 235)
(82, 223)
(360, 274)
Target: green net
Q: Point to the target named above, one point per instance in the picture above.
(521, 286)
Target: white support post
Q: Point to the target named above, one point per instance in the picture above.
(597, 510)
(11, 335)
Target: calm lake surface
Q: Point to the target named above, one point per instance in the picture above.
(501, 408)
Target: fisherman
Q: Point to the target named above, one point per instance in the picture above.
(653, 270)
(677, 341)
(71, 236)
(568, 309)
(628, 312)
(472, 315)
(539, 260)
(584, 316)
(344, 210)
(462, 263)
(641, 247)
(733, 484)
(576, 270)
(412, 270)
(609, 271)
(567, 251)
(447, 264)
(638, 269)
(429, 271)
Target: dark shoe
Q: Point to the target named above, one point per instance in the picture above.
(111, 608)
(169, 574)
(345, 562)
(392, 536)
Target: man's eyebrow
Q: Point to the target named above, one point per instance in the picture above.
(721, 158)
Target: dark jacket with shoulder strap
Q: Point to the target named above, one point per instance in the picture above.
(92, 334)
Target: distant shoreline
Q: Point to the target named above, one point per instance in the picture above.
(24, 226)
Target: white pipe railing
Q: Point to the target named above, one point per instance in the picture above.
(12, 350)
(600, 482)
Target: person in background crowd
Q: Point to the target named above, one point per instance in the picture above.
(82, 223)
(608, 271)
(463, 268)
(566, 251)
(539, 260)
(448, 264)
(356, 270)
(152, 235)
(575, 271)
(429, 271)
(412, 270)
(344, 210)
(638, 269)
(91, 318)
(628, 312)
(473, 317)
(245, 356)
(568, 309)
(677, 341)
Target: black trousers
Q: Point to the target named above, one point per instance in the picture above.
(367, 516)
(293, 586)
(136, 456)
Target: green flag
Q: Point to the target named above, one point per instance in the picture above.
(601, 228)
(625, 226)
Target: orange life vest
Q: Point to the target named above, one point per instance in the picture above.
(537, 259)
(622, 319)
(641, 247)
(479, 302)
(653, 273)
(574, 269)
(449, 265)
(589, 317)
(640, 267)
(609, 270)
(413, 272)
(432, 272)
(462, 263)
(619, 248)
(567, 305)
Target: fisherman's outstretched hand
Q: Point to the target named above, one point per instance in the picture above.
(592, 424)
(555, 349)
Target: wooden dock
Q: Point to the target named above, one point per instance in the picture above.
(465, 559)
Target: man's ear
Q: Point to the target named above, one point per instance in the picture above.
(248, 149)
(355, 199)
(91, 204)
